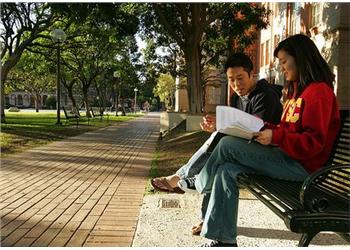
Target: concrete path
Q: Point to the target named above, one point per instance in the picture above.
(165, 220)
(83, 191)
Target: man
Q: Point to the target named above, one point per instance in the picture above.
(255, 97)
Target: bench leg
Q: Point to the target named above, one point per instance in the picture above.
(306, 239)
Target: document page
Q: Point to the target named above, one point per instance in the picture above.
(235, 122)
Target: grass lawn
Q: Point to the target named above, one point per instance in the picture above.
(174, 150)
(25, 130)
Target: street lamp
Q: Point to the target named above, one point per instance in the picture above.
(58, 36)
(135, 90)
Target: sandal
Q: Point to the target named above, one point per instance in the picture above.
(161, 184)
(197, 229)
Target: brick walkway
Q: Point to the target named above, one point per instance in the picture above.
(82, 191)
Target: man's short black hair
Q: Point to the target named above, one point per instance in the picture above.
(239, 60)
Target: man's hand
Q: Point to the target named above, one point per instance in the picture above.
(209, 123)
(264, 137)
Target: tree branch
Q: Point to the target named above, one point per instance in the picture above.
(167, 25)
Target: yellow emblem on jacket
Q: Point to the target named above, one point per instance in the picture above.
(292, 110)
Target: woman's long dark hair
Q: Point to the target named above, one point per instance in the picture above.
(310, 64)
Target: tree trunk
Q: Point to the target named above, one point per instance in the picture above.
(116, 100)
(37, 98)
(5, 69)
(86, 102)
(2, 103)
(194, 82)
(71, 97)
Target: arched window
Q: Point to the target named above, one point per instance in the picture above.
(26, 100)
(7, 101)
(13, 100)
(20, 100)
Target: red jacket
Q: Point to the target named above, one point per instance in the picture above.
(309, 126)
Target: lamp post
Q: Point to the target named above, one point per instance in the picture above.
(58, 36)
(135, 90)
(116, 75)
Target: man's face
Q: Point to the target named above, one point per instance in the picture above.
(240, 81)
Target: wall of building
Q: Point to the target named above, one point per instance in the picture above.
(332, 22)
(23, 99)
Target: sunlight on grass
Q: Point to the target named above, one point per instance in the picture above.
(153, 173)
(25, 130)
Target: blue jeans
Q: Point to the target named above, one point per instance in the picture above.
(197, 161)
(231, 157)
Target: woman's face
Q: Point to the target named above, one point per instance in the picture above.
(287, 65)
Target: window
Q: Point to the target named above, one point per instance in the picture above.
(20, 100)
(275, 41)
(262, 55)
(7, 100)
(267, 53)
(276, 9)
(292, 19)
(13, 99)
(26, 100)
(316, 13)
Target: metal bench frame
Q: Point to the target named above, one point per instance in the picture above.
(71, 117)
(320, 203)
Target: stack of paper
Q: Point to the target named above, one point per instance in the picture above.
(235, 122)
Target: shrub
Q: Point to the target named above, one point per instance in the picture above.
(50, 102)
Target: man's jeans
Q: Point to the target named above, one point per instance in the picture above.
(197, 161)
(231, 157)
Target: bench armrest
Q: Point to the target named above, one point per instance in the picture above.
(327, 190)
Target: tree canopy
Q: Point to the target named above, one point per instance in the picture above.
(204, 32)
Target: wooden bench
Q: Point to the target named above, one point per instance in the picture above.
(73, 116)
(320, 203)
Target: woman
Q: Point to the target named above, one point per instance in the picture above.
(298, 146)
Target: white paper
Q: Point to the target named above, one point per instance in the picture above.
(229, 117)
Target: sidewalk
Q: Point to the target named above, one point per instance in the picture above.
(83, 191)
(162, 225)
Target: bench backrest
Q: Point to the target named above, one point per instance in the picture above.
(99, 112)
(333, 182)
(75, 115)
(341, 149)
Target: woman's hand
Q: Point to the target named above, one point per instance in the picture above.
(209, 123)
(263, 137)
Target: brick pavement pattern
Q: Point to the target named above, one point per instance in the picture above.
(82, 191)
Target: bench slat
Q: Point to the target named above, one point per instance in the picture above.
(331, 188)
(290, 196)
(341, 177)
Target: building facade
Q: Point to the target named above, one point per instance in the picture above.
(327, 24)
(22, 99)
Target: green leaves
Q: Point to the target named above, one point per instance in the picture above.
(165, 89)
